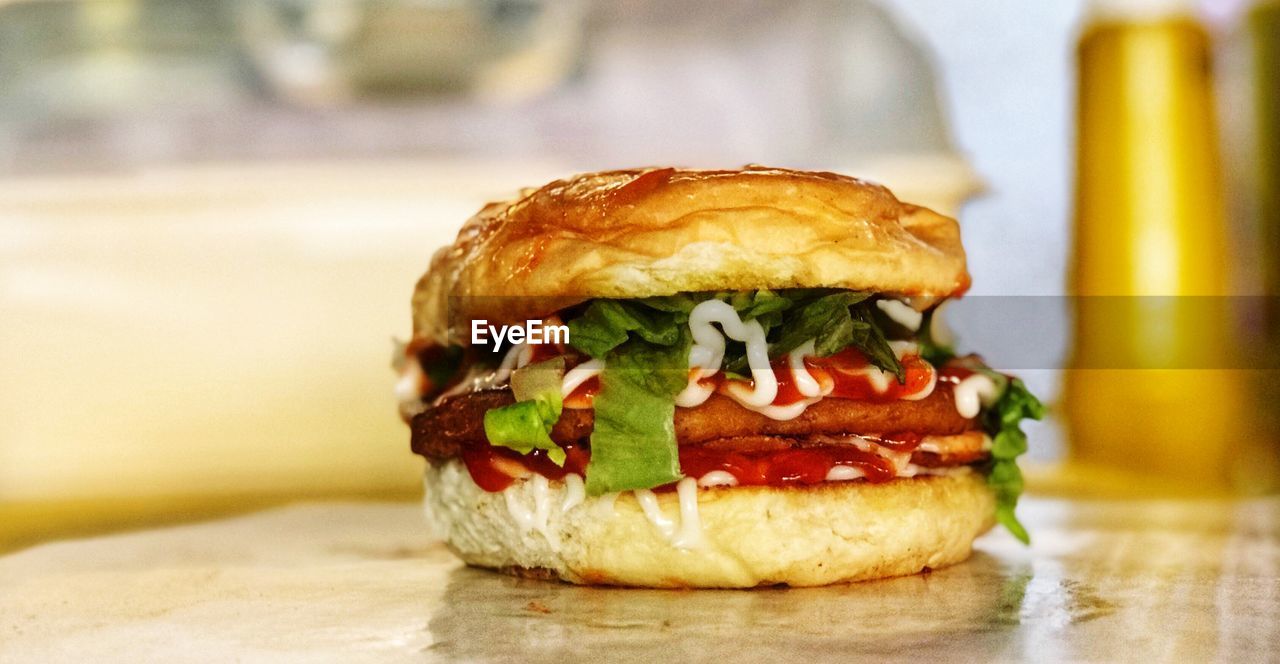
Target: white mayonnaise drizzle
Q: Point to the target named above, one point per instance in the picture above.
(518, 356)
(705, 359)
(901, 313)
(844, 473)
(717, 478)
(604, 506)
(409, 386)
(574, 492)
(695, 393)
(708, 350)
(575, 377)
(974, 392)
(804, 381)
(408, 389)
(533, 519)
(688, 533)
(537, 517)
(653, 512)
(707, 354)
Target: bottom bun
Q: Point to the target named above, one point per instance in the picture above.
(736, 537)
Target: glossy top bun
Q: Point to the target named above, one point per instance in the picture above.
(638, 233)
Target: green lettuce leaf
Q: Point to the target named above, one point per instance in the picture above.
(526, 425)
(836, 321)
(607, 324)
(633, 444)
(1003, 422)
(869, 339)
(826, 320)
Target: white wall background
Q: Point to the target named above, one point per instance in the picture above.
(1007, 70)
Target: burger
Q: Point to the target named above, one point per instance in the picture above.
(685, 378)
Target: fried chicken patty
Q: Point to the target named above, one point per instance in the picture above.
(443, 430)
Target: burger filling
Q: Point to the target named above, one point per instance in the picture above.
(772, 388)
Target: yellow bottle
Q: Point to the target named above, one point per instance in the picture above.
(1264, 29)
(1149, 404)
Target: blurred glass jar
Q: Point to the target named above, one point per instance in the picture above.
(1154, 395)
(84, 59)
(1264, 24)
(219, 332)
(328, 51)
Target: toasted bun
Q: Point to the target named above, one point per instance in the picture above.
(752, 536)
(639, 233)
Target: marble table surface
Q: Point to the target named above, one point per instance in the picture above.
(352, 582)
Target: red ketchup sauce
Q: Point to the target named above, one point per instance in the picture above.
(842, 371)
(585, 394)
(495, 468)
(845, 371)
(959, 369)
(954, 373)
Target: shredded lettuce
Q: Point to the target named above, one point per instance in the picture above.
(607, 324)
(633, 443)
(836, 321)
(526, 424)
(1002, 421)
(645, 345)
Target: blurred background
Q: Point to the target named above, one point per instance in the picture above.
(213, 212)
